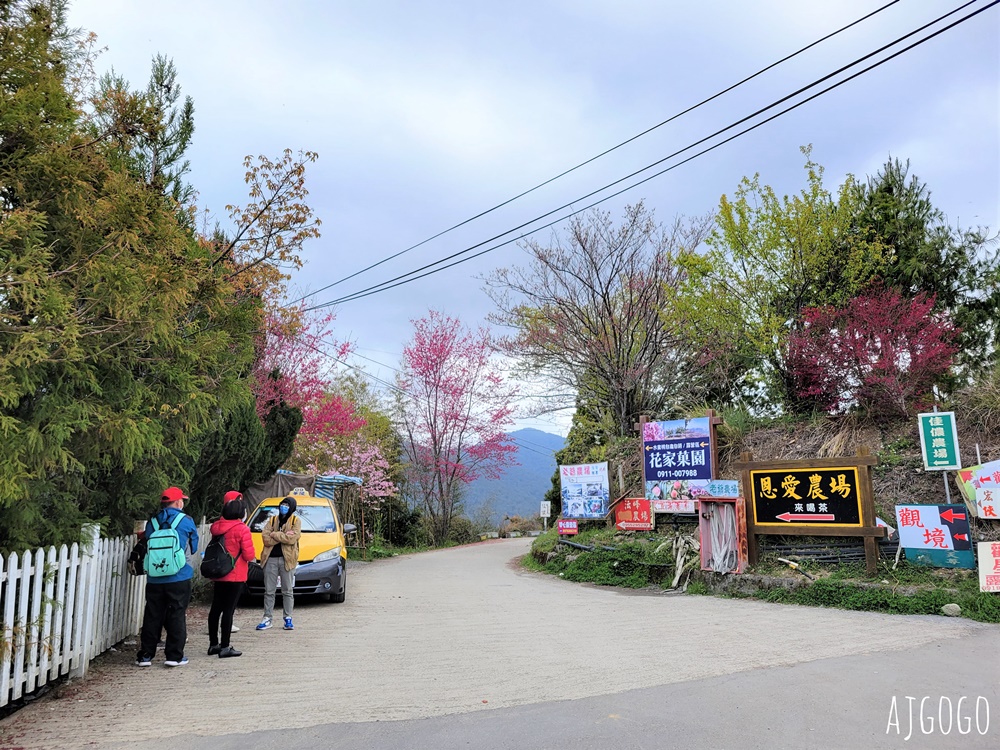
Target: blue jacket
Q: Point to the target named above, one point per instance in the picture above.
(188, 534)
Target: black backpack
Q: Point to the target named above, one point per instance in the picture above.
(137, 557)
(217, 561)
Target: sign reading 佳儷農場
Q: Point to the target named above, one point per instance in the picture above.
(677, 462)
(939, 441)
(806, 497)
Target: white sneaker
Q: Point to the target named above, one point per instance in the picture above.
(234, 629)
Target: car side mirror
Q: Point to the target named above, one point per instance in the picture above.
(350, 528)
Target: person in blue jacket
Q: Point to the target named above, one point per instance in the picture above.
(167, 596)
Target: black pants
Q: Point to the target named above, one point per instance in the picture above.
(224, 598)
(166, 606)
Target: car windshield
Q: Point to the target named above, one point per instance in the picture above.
(315, 518)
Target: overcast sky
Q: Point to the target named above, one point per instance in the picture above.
(425, 114)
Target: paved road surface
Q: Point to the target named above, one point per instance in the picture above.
(459, 648)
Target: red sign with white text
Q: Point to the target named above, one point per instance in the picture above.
(567, 526)
(634, 514)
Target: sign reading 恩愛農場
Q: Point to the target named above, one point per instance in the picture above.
(677, 460)
(939, 441)
(936, 535)
(812, 497)
(585, 490)
(634, 514)
(989, 566)
(806, 497)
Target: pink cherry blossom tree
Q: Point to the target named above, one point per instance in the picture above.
(296, 366)
(454, 414)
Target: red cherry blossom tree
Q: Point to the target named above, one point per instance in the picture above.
(881, 353)
(454, 415)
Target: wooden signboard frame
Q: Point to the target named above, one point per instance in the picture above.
(866, 529)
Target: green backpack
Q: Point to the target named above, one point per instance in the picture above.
(164, 554)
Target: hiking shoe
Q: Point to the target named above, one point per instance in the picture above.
(264, 624)
(143, 661)
(288, 624)
(214, 649)
(172, 663)
(228, 652)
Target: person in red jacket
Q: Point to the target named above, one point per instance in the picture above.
(228, 588)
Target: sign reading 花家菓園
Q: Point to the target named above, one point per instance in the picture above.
(677, 462)
(585, 490)
(939, 441)
(806, 496)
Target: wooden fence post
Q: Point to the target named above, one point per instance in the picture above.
(89, 572)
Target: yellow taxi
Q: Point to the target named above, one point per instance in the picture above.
(322, 567)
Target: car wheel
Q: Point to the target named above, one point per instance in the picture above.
(339, 598)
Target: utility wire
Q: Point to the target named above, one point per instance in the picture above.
(402, 279)
(602, 154)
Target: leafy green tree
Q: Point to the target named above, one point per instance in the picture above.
(152, 127)
(958, 268)
(119, 339)
(771, 257)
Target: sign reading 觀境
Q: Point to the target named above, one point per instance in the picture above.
(806, 496)
(939, 441)
(677, 458)
(585, 490)
(936, 535)
(812, 497)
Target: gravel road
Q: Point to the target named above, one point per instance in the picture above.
(450, 632)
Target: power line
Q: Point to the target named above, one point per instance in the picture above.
(403, 279)
(600, 155)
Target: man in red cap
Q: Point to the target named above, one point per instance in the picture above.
(168, 580)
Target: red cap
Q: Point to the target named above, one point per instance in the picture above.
(232, 495)
(172, 495)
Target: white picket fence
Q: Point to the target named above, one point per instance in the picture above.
(61, 608)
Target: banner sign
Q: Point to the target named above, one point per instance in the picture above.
(808, 497)
(939, 441)
(723, 488)
(989, 566)
(634, 514)
(980, 486)
(677, 463)
(567, 526)
(936, 535)
(585, 490)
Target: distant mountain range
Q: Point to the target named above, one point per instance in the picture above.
(521, 488)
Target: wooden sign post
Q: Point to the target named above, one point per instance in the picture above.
(818, 497)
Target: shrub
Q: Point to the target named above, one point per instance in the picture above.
(881, 353)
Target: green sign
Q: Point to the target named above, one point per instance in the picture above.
(939, 441)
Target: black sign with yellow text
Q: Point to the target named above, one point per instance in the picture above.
(808, 497)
